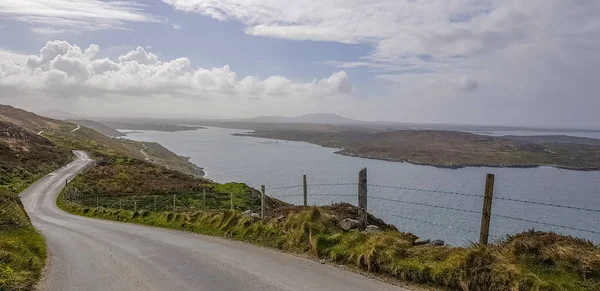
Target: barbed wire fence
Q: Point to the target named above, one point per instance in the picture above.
(393, 191)
(393, 196)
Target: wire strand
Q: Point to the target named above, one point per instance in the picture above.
(339, 195)
(544, 223)
(428, 222)
(333, 184)
(427, 190)
(284, 187)
(283, 196)
(547, 204)
(423, 204)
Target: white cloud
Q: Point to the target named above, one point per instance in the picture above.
(58, 16)
(62, 70)
(176, 27)
(468, 43)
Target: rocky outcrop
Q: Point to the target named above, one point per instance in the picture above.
(349, 224)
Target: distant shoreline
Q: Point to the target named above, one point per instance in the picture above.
(452, 150)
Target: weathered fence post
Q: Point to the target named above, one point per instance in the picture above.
(97, 201)
(305, 191)
(121, 204)
(204, 198)
(231, 199)
(262, 201)
(487, 210)
(174, 197)
(134, 205)
(362, 197)
(154, 203)
(66, 182)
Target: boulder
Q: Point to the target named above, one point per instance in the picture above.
(348, 224)
(255, 216)
(247, 212)
(372, 228)
(420, 241)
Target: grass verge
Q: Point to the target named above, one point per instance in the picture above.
(22, 248)
(528, 261)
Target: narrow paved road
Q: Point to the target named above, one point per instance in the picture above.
(76, 128)
(91, 254)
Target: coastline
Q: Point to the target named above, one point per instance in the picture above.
(348, 153)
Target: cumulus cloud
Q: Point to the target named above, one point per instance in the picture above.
(60, 16)
(63, 70)
(458, 38)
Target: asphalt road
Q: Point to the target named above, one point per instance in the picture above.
(92, 254)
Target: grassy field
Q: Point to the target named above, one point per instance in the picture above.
(127, 183)
(528, 261)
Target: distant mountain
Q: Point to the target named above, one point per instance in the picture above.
(316, 118)
(57, 113)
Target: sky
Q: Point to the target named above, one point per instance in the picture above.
(489, 62)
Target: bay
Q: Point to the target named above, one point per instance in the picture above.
(427, 201)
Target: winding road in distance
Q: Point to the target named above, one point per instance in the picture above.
(92, 254)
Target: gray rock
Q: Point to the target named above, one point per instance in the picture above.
(348, 224)
(247, 212)
(323, 261)
(437, 242)
(255, 216)
(372, 228)
(279, 218)
(420, 241)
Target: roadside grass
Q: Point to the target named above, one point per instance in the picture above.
(127, 183)
(22, 248)
(527, 261)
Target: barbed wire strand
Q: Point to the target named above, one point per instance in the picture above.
(544, 223)
(427, 222)
(282, 196)
(547, 204)
(339, 195)
(333, 184)
(284, 187)
(427, 190)
(423, 204)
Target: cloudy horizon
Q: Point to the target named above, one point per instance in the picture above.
(489, 62)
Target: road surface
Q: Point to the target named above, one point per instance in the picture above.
(76, 128)
(92, 254)
(143, 151)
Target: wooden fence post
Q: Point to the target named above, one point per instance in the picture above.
(305, 191)
(204, 198)
(154, 203)
(262, 201)
(174, 197)
(121, 204)
(231, 199)
(134, 205)
(487, 210)
(362, 197)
